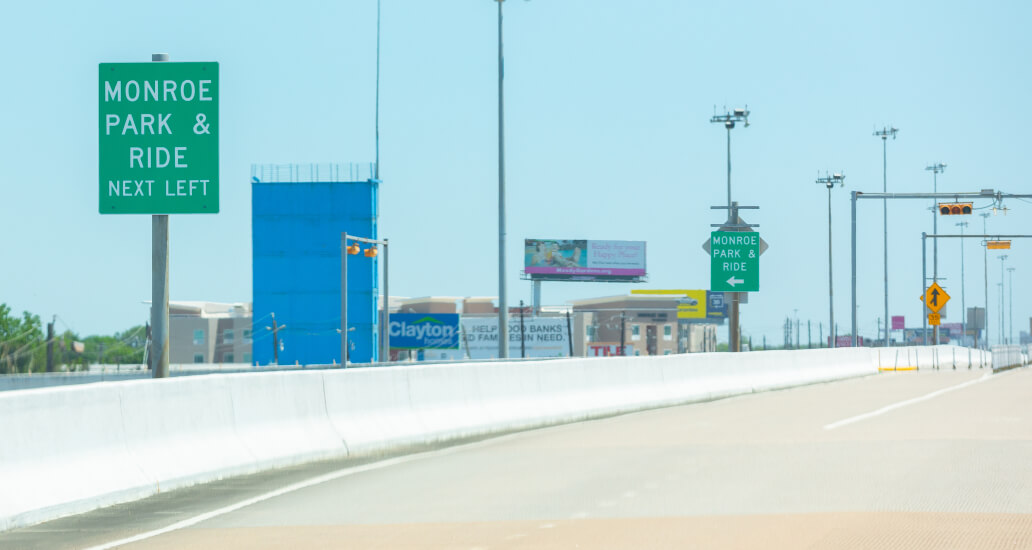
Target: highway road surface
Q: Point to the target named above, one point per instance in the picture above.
(929, 459)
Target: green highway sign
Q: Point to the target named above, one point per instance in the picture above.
(159, 138)
(734, 261)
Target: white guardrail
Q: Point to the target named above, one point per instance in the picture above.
(1008, 357)
(67, 450)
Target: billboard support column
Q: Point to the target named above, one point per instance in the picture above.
(536, 297)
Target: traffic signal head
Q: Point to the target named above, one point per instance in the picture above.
(353, 249)
(954, 208)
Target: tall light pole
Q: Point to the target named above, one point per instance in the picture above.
(963, 301)
(503, 306)
(936, 169)
(1010, 306)
(830, 182)
(985, 267)
(884, 134)
(728, 119)
(1003, 259)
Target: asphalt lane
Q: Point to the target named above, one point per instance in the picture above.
(934, 459)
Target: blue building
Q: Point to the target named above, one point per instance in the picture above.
(298, 213)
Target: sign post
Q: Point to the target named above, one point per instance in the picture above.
(159, 155)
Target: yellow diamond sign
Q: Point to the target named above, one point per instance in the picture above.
(935, 297)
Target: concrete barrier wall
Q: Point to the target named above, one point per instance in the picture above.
(67, 450)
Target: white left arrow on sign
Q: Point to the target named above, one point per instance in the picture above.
(732, 281)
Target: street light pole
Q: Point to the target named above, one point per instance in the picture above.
(830, 182)
(728, 119)
(985, 266)
(1010, 306)
(963, 300)
(884, 134)
(1003, 259)
(936, 169)
(503, 305)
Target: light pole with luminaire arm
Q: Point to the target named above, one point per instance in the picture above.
(830, 182)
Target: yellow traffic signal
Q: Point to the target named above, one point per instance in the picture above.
(371, 252)
(954, 208)
(353, 249)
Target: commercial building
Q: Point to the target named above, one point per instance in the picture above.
(298, 213)
(648, 325)
(210, 332)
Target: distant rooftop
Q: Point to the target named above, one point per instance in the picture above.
(210, 309)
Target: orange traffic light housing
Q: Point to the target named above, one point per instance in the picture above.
(955, 208)
(371, 252)
(354, 249)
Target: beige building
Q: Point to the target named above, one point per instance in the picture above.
(210, 332)
(648, 324)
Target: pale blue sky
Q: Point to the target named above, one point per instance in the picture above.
(608, 137)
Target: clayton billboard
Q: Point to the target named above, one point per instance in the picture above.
(424, 331)
(584, 260)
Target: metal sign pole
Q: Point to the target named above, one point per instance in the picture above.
(159, 284)
(344, 299)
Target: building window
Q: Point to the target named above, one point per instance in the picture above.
(247, 334)
(666, 352)
(198, 358)
(198, 337)
(635, 332)
(227, 335)
(227, 357)
(591, 332)
(248, 358)
(668, 332)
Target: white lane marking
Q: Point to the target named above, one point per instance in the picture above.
(902, 404)
(301, 485)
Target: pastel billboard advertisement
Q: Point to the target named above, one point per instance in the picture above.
(584, 260)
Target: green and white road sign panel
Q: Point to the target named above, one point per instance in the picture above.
(734, 261)
(159, 138)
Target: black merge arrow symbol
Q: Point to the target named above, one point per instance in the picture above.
(935, 296)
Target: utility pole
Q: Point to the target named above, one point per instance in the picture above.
(884, 134)
(275, 340)
(623, 331)
(809, 336)
(50, 344)
(569, 330)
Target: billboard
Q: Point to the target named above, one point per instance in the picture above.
(693, 305)
(584, 260)
(543, 337)
(424, 331)
(716, 305)
(898, 322)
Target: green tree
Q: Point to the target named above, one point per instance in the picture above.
(21, 341)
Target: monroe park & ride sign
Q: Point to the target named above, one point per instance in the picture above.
(159, 139)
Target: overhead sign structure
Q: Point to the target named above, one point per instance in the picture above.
(584, 260)
(424, 331)
(159, 138)
(935, 298)
(734, 261)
